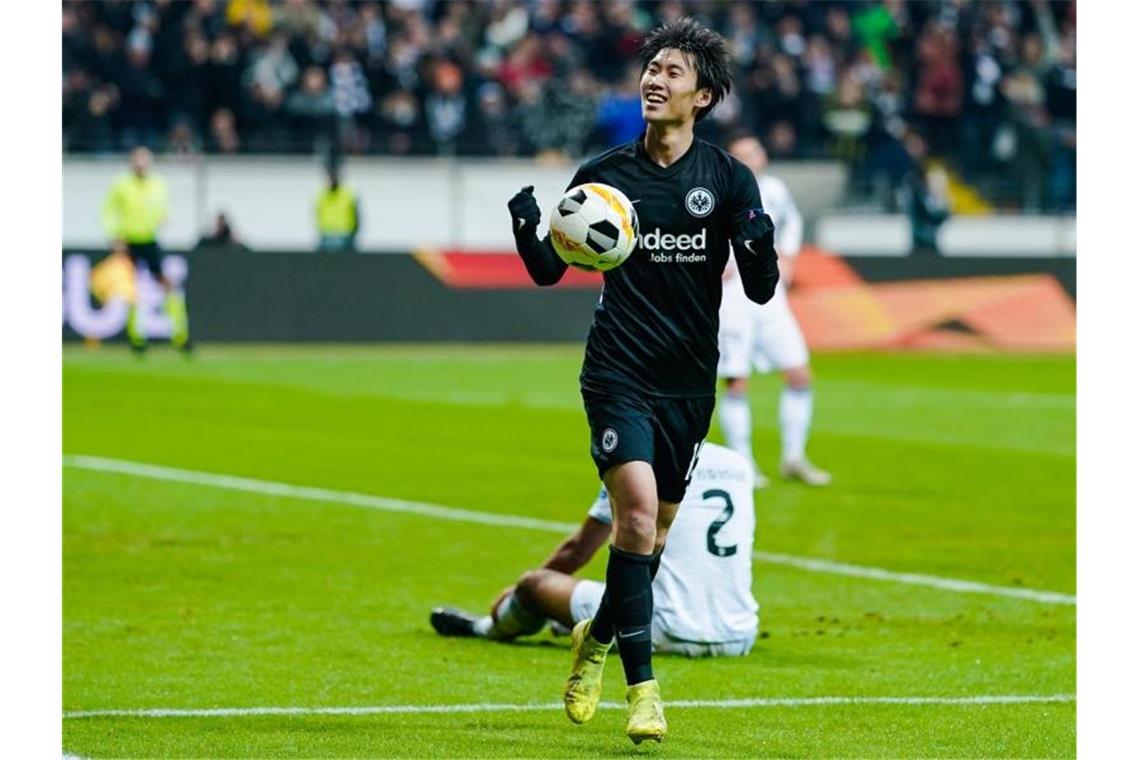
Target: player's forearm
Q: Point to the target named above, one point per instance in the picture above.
(573, 554)
(542, 263)
(566, 559)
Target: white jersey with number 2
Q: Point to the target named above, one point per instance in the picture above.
(703, 589)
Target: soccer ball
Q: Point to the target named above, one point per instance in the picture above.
(594, 227)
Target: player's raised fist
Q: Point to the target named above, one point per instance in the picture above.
(524, 210)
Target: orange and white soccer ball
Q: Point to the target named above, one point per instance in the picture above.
(594, 227)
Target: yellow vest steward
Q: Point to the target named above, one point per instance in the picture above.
(336, 211)
(135, 208)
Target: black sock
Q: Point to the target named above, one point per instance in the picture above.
(602, 628)
(630, 602)
(654, 564)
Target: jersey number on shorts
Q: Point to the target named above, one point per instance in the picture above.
(715, 526)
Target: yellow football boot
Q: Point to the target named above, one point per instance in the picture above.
(646, 712)
(584, 686)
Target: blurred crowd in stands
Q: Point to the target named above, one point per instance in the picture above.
(986, 87)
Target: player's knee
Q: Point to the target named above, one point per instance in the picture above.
(528, 586)
(638, 524)
(736, 386)
(798, 378)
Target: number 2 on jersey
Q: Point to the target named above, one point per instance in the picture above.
(714, 527)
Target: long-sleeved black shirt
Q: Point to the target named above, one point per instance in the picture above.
(655, 325)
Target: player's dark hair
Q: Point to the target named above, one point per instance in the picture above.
(707, 50)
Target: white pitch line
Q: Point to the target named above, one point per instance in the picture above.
(714, 704)
(915, 579)
(270, 488)
(440, 512)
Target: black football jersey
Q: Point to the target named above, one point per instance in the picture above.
(655, 325)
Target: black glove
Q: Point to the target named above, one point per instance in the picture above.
(755, 232)
(524, 211)
(753, 243)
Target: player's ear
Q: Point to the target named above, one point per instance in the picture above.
(704, 97)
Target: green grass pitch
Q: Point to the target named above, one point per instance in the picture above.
(186, 596)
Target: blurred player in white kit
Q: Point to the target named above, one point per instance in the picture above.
(767, 337)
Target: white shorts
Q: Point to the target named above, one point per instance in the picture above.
(587, 597)
(759, 337)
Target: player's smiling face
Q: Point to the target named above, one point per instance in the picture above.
(669, 93)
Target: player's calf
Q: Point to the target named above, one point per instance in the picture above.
(630, 597)
(510, 619)
(796, 403)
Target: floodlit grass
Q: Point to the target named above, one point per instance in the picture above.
(186, 596)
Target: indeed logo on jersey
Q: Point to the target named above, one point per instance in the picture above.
(666, 248)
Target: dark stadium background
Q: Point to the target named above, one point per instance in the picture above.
(881, 116)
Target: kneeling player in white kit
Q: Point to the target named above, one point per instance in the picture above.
(767, 336)
(702, 594)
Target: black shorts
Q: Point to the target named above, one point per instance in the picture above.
(149, 254)
(666, 432)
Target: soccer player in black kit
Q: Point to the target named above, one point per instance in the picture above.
(649, 376)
